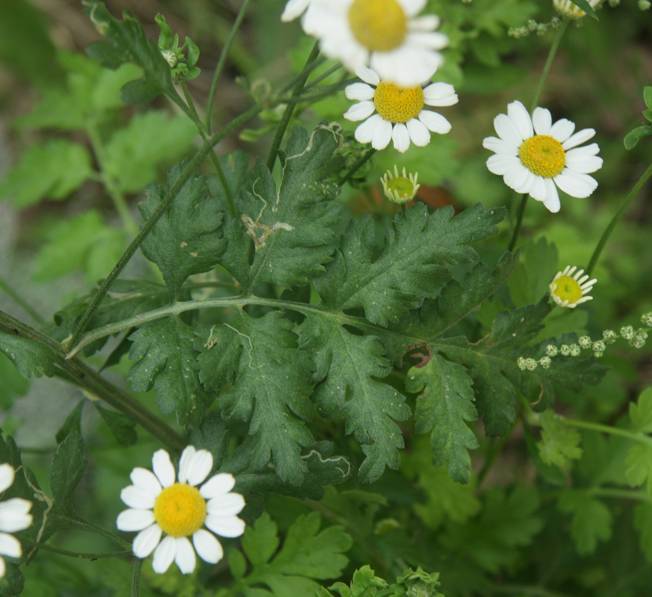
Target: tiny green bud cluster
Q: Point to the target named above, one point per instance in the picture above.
(182, 58)
(534, 27)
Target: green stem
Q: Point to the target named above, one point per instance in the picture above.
(80, 374)
(554, 48)
(289, 109)
(210, 106)
(93, 528)
(359, 164)
(125, 554)
(636, 189)
(600, 428)
(165, 204)
(194, 116)
(135, 577)
(20, 301)
(624, 494)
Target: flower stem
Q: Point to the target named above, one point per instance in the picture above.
(636, 189)
(221, 63)
(125, 554)
(289, 109)
(547, 67)
(600, 428)
(358, 164)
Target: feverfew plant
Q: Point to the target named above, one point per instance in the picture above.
(305, 346)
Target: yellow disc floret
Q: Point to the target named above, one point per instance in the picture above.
(567, 290)
(378, 25)
(398, 104)
(543, 155)
(180, 510)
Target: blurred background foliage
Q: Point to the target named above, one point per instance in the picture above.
(74, 160)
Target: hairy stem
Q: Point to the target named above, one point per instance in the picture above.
(636, 189)
(600, 428)
(289, 110)
(221, 63)
(124, 555)
(77, 372)
(554, 48)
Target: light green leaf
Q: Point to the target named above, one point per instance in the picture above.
(68, 462)
(51, 170)
(634, 136)
(559, 443)
(444, 409)
(31, 359)
(591, 520)
(187, 239)
(420, 249)
(638, 466)
(151, 141)
(349, 370)
(164, 359)
(640, 413)
(262, 379)
(295, 225)
(307, 554)
(14, 385)
(82, 242)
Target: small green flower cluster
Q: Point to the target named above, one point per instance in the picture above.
(182, 58)
(534, 27)
(635, 337)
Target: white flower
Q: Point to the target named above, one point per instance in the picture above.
(384, 34)
(158, 505)
(398, 114)
(571, 287)
(535, 156)
(14, 516)
(570, 10)
(294, 9)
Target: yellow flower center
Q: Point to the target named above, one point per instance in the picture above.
(398, 104)
(543, 155)
(379, 25)
(567, 289)
(180, 510)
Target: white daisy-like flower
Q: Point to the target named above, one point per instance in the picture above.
(535, 156)
(159, 505)
(400, 187)
(387, 35)
(297, 8)
(398, 114)
(570, 10)
(571, 287)
(14, 516)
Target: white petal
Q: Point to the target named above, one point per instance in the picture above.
(207, 546)
(146, 481)
(226, 505)
(521, 118)
(134, 520)
(562, 129)
(435, 122)
(585, 150)
(440, 94)
(382, 135)
(137, 498)
(542, 120)
(225, 526)
(406, 66)
(538, 189)
(10, 546)
(184, 463)
(360, 111)
(578, 138)
(582, 163)
(359, 92)
(199, 467)
(185, 556)
(499, 146)
(7, 474)
(501, 164)
(424, 23)
(365, 132)
(146, 541)
(412, 7)
(163, 468)
(520, 179)
(401, 138)
(552, 197)
(368, 75)
(14, 515)
(419, 134)
(217, 485)
(294, 9)
(507, 130)
(426, 40)
(3, 568)
(576, 185)
(164, 555)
